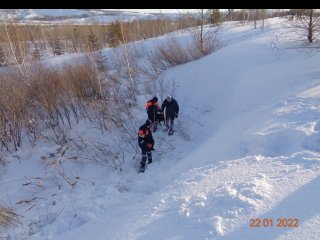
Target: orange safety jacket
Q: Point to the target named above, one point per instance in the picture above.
(152, 106)
(145, 137)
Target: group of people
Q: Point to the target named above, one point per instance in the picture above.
(168, 111)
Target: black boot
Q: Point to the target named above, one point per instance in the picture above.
(170, 131)
(149, 154)
(155, 127)
(142, 167)
(143, 163)
(166, 128)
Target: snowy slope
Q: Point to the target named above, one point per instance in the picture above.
(251, 113)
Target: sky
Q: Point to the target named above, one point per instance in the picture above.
(246, 149)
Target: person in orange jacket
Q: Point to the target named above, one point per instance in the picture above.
(153, 108)
(146, 143)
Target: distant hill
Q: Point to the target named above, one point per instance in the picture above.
(81, 16)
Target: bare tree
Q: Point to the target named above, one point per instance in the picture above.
(206, 41)
(255, 14)
(263, 14)
(306, 23)
(204, 17)
(245, 15)
(230, 14)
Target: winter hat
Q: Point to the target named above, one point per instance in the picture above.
(155, 99)
(169, 98)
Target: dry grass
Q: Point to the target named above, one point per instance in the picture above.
(172, 52)
(50, 98)
(8, 217)
(21, 43)
(169, 54)
(45, 98)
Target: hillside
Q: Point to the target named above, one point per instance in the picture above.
(246, 147)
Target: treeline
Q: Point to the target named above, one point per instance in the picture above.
(26, 42)
(20, 43)
(244, 15)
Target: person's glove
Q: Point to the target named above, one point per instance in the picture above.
(176, 115)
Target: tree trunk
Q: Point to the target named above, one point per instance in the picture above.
(201, 31)
(310, 28)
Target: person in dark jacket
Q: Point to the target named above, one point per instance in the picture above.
(153, 107)
(146, 143)
(171, 108)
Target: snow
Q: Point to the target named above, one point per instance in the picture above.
(251, 114)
